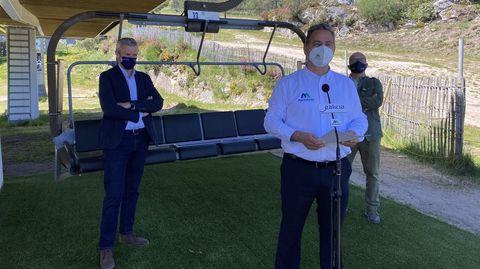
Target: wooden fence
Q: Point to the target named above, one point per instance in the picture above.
(425, 112)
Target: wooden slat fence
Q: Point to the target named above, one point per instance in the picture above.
(425, 112)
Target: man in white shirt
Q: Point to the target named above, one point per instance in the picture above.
(299, 114)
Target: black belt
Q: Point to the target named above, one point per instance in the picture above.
(313, 163)
(135, 131)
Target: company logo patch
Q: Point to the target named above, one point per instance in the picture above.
(305, 97)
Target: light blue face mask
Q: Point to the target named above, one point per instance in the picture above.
(320, 56)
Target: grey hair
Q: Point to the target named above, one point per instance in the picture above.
(316, 27)
(126, 41)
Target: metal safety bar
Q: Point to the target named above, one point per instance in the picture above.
(197, 72)
(266, 51)
(113, 63)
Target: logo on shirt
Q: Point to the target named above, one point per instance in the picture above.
(332, 108)
(305, 97)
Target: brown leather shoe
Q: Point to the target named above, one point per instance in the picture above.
(106, 259)
(132, 239)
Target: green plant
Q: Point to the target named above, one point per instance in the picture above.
(422, 13)
(381, 12)
(151, 52)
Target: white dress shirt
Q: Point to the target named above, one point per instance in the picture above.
(295, 106)
(132, 87)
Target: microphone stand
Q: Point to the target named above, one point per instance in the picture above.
(337, 198)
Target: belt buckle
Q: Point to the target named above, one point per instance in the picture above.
(134, 131)
(321, 164)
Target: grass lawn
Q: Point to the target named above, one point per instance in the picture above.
(213, 213)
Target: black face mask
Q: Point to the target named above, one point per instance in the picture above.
(357, 67)
(128, 62)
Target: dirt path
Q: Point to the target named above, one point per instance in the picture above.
(429, 191)
(425, 189)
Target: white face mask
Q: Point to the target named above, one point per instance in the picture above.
(320, 56)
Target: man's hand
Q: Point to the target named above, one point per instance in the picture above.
(350, 143)
(126, 105)
(308, 140)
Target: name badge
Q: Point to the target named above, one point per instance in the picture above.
(335, 123)
(332, 108)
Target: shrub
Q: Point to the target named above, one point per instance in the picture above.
(166, 56)
(381, 12)
(89, 44)
(274, 73)
(182, 46)
(422, 13)
(105, 46)
(278, 14)
(151, 53)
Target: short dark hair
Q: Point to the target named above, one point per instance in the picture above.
(316, 27)
(128, 41)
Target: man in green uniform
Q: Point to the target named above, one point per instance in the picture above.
(370, 91)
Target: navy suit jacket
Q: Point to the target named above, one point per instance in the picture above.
(113, 88)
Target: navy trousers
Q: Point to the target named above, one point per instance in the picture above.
(301, 184)
(123, 171)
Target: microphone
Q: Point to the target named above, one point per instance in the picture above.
(325, 89)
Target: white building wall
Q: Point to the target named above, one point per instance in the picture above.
(22, 74)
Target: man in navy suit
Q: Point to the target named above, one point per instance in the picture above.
(128, 98)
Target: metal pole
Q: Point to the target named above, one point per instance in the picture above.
(299, 65)
(346, 62)
(460, 58)
(55, 112)
(120, 24)
(460, 102)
